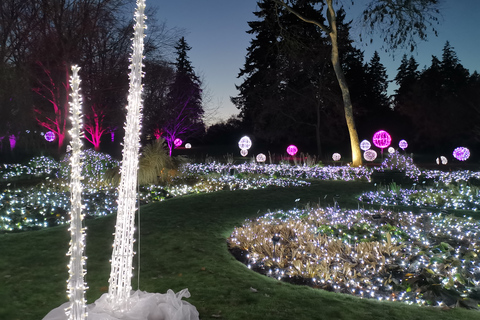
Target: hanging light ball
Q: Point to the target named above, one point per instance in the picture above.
(403, 144)
(370, 155)
(336, 156)
(382, 139)
(177, 142)
(292, 150)
(261, 157)
(245, 143)
(50, 136)
(365, 145)
(461, 153)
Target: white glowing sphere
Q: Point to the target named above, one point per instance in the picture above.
(370, 155)
(243, 152)
(365, 145)
(391, 150)
(336, 156)
(261, 157)
(188, 145)
(442, 160)
(403, 144)
(245, 143)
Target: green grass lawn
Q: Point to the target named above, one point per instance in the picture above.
(183, 245)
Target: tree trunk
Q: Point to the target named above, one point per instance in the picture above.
(317, 132)
(347, 102)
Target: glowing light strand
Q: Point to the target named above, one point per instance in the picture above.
(76, 285)
(122, 255)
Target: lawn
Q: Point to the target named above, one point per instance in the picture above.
(183, 245)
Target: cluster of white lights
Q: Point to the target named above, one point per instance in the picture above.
(400, 162)
(371, 254)
(76, 285)
(122, 255)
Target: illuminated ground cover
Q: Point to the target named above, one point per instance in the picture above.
(427, 259)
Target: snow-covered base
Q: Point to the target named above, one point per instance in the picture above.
(142, 306)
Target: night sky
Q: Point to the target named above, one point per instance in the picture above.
(216, 31)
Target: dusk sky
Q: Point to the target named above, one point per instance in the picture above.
(216, 31)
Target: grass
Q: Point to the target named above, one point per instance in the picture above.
(183, 245)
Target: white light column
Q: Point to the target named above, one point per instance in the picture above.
(76, 285)
(122, 255)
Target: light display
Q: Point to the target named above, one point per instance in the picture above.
(365, 145)
(76, 285)
(261, 157)
(245, 143)
(50, 136)
(188, 146)
(370, 155)
(336, 156)
(243, 152)
(461, 153)
(442, 160)
(391, 150)
(122, 255)
(381, 139)
(177, 142)
(13, 141)
(292, 150)
(403, 144)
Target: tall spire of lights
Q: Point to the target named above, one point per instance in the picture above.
(76, 285)
(122, 255)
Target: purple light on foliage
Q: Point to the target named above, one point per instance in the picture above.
(403, 144)
(177, 142)
(382, 139)
(292, 150)
(365, 145)
(13, 141)
(50, 136)
(461, 153)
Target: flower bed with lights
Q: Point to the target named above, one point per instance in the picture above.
(396, 167)
(36, 167)
(428, 259)
(345, 173)
(462, 197)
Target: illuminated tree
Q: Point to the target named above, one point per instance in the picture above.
(406, 20)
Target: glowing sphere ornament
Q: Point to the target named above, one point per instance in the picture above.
(442, 160)
(403, 144)
(50, 136)
(382, 139)
(261, 157)
(370, 155)
(391, 150)
(245, 143)
(336, 156)
(461, 153)
(365, 145)
(188, 146)
(292, 150)
(177, 142)
(243, 152)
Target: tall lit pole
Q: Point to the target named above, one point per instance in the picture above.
(122, 255)
(76, 285)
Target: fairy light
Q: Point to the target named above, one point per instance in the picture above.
(122, 254)
(76, 285)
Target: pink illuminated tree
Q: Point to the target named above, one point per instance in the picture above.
(95, 125)
(55, 92)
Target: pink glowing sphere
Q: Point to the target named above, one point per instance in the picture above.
(245, 143)
(370, 155)
(461, 153)
(50, 136)
(261, 157)
(403, 144)
(336, 156)
(381, 139)
(365, 145)
(177, 142)
(243, 152)
(292, 150)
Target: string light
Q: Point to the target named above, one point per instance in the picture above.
(122, 254)
(76, 285)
